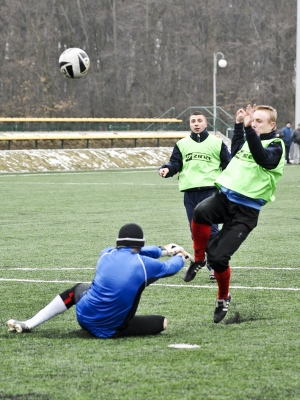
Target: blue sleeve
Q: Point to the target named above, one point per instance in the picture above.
(151, 251)
(175, 163)
(157, 269)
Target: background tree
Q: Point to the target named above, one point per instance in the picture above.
(147, 56)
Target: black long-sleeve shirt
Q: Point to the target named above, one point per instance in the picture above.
(268, 157)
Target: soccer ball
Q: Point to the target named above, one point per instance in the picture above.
(74, 63)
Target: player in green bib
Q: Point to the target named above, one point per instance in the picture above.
(198, 159)
(248, 183)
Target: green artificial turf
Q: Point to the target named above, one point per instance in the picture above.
(53, 227)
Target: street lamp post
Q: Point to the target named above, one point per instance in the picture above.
(297, 99)
(222, 64)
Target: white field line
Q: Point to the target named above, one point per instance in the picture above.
(154, 284)
(95, 183)
(70, 173)
(38, 281)
(87, 183)
(159, 284)
(94, 268)
(231, 287)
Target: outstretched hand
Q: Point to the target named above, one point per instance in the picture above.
(173, 249)
(245, 116)
(240, 115)
(186, 256)
(249, 114)
(170, 249)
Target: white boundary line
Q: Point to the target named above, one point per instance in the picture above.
(159, 284)
(154, 284)
(231, 287)
(94, 268)
(49, 173)
(86, 183)
(38, 281)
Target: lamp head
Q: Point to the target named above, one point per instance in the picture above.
(222, 63)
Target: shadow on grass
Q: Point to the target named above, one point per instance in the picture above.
(237, 318)
(72, 334)
(79, 334)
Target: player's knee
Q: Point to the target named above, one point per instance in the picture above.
(199, 215)
(218, 266)
(165, 323)
(197, 212)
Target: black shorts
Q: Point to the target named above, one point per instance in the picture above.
(238, 221)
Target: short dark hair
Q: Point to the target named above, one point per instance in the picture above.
(198, 113)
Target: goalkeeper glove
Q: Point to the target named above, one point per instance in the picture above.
(173, 249)
(170, 249)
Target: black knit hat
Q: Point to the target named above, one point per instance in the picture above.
(131, 235)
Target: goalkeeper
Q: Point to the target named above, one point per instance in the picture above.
(107, 307)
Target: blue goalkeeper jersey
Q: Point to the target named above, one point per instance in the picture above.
(114, 295)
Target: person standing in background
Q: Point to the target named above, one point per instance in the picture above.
(198, 159)
(286, 136)
(296, 140)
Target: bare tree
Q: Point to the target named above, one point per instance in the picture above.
(147, 56)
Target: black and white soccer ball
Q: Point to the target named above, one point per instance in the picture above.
(74, 63)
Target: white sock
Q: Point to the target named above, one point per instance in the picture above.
(55, 307)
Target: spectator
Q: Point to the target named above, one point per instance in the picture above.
(107, 307)
(296, 140)
(248, 183)
(198, 159)
(286, 135)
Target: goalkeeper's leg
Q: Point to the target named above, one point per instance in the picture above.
(142, 325)
(61, 303)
